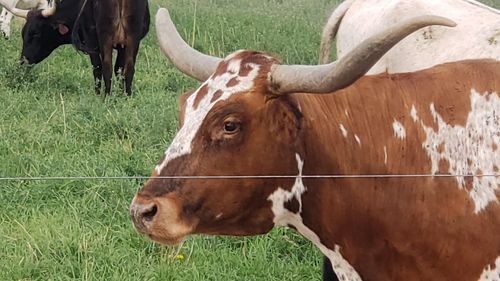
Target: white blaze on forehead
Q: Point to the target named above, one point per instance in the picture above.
(284, 217)
(491, 273)
(399, 130)
(471, 149)
(194, 116)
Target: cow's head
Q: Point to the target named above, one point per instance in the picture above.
(240, 121)
(42, 33)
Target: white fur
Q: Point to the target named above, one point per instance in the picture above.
(193, 117)
(477, 34)
(385, 154)
(491, 273)
(413, 113)
(358, 140)
(283, 217)
(343, 130)
(470, 149)
(399, 130)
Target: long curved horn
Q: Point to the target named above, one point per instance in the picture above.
(11, 7)
(50, 10)
(185, 58)
(343, 72)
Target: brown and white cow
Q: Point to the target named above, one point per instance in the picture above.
(254, 116)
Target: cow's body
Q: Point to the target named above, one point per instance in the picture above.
(108, 25)
(409, 228)
(101, 27)
(477, 34)
(243, 121)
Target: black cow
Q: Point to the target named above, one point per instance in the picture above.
(95, 27)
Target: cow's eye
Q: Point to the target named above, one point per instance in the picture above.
(231, 126)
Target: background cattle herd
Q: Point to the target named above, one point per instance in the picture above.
(51, 126)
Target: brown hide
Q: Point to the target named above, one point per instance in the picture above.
(397, 228)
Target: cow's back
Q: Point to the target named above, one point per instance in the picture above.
(477, 34)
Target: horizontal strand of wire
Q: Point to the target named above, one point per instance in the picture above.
(81, 178)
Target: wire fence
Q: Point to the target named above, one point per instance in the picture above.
(94, 178)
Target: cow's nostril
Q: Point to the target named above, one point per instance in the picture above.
(149, 213)
(143, 214)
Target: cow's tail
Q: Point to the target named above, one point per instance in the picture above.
(80, 35)
(330, 30)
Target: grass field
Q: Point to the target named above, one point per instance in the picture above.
(52, 124)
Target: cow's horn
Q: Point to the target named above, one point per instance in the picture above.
(11, 7)
(50, 10)
(185, 58)
(343, 72)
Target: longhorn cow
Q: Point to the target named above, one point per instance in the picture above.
(254, 116)
(476, 36)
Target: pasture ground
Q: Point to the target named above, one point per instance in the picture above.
(52, 124)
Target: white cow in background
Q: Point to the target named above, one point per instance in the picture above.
(477, 34)
(6, 16)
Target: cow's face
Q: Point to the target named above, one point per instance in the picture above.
(42, 35)
(230, 126)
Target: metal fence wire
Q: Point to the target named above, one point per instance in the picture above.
(93, 178)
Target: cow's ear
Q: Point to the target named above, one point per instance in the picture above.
(62, 28)
(287, 117)
(181, 102)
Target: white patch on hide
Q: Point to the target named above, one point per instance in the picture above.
(283, 217)
(385, 154)
(491, 274)
(413, 113)
(343, 130)
(346, 113)
(358, 140)
(193, 117)
(399, 130)
(470, 150)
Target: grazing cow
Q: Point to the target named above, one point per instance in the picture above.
(95, 27)
(19, 5)
(476, 36)
(254, 116)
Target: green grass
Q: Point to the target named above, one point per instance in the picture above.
(52, 124)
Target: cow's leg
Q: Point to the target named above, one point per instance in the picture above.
(107, 65)
(95, 59)
(129, 70)
(119, 65)
(328, 273)
(6, 19)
